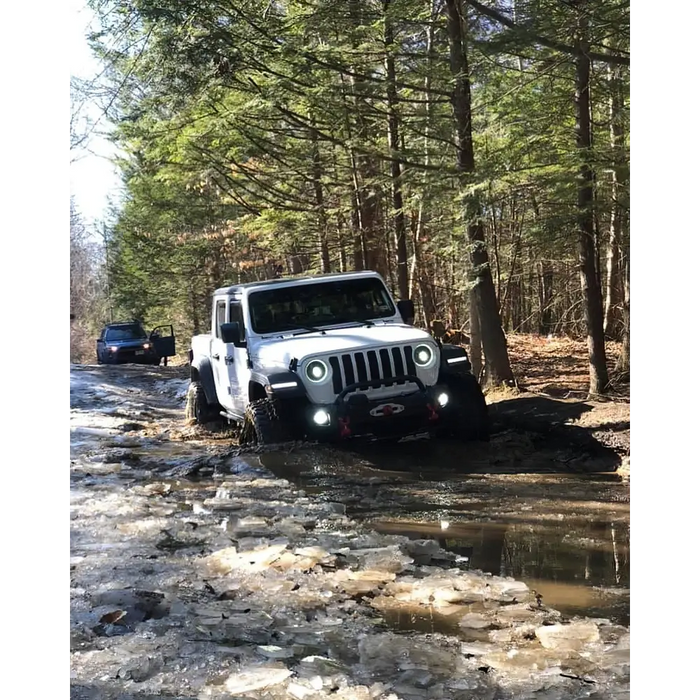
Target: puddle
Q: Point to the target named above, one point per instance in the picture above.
(579, 570)
(564, 534)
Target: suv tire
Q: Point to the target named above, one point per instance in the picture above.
(469, 417)
(197, 409)
(262, 424)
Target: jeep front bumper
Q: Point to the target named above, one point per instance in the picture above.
(355, 415)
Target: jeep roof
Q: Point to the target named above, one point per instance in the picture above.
(296, 280)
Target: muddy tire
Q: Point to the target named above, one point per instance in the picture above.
(262, 424)
(198, 410)
(469, 418)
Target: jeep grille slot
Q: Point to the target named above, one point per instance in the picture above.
(398, 362)
(348, 369)
(337, 378)
(386, 363)
(371, 364)
(361, 367)
(410, 364)
(374, 372)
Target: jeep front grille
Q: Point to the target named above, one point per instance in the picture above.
(371, 364)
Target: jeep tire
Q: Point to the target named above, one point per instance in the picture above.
(262, 424)
(197, 409)
(468, 417)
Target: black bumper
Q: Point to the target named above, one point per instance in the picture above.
(128, 355)
(354, 415)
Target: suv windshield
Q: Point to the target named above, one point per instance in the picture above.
(322, 303)
(131, 332)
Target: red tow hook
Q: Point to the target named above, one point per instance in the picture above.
(432, 412)
(344, 427)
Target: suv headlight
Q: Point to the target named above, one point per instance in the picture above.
(316, 371)
(423, 355)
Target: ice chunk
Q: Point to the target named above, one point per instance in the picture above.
(507, 590)
(388, 653)
(256, 679)
(476, 648)
(567, 637)
(476, 621)
(520, 661)
(524, 613)
(229, 559)
(390, 559)
(299, 692)
(319, 666)
(422, 551)
(271, 651)
(314, 552)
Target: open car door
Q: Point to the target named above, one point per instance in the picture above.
(163, 339)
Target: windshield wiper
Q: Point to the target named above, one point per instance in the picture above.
(294, 326)
(359, 323)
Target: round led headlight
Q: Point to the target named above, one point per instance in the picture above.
(316, 371)
(423, 355)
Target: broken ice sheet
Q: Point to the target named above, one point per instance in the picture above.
(390, 559)
(567, 637)
(252, 678)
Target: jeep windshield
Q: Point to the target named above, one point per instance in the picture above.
(306, 307)
(131, 332)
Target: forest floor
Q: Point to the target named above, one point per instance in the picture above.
(552, 376)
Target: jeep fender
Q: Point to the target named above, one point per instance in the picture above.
(201, 371)
(454, 360)
(279, 383)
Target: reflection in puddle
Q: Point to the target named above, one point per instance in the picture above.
(577, 570)
(423, 619)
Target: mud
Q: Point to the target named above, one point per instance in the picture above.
(153, 501)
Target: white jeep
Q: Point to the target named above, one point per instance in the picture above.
(328, 358)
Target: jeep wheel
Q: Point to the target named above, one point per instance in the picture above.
(468, 418)
(197, 409)
(262, 424)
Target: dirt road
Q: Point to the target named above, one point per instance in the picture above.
(199, 571)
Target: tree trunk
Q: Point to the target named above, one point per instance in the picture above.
(367, 172)
(343, 261)
(624, 361)
(474, 335)
(324, 254)
(498, 369)
(547, 313)
(590, 285)
(613, 298)
(426, 291)
(394, 147)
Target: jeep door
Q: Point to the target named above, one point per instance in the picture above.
(239, 371)
(221, 361)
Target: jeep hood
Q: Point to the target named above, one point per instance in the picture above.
(280, 351)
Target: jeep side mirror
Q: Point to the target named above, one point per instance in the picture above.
(407, 310)
(231, 332)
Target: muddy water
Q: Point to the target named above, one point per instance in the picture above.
(565, 534)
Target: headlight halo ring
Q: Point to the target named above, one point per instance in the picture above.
(317, 371)
(424, 355)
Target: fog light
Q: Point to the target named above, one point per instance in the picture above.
(322, 417)
(442, 399)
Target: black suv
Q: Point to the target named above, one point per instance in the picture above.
(127, 342)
